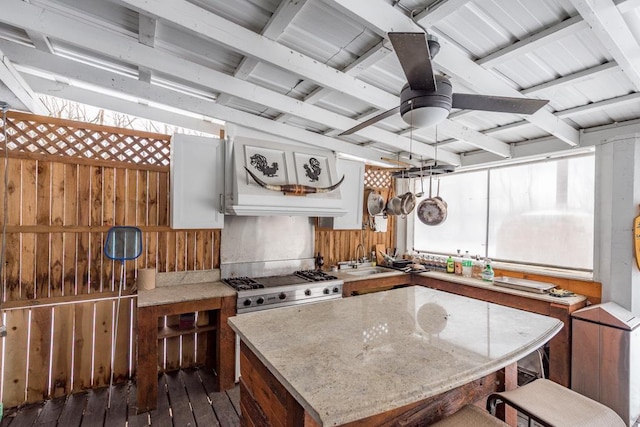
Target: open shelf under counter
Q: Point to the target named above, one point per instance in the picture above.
(216, 298)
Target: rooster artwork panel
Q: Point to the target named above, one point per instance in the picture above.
(269, 164)
(313, 169)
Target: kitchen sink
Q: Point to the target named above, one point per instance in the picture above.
(369, 271)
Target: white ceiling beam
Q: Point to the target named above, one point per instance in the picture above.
(230, 115)
(220, 30)
(574, 78)
(283, 15)
(39, 41)
(475, 138)
(569, 79)
(247, 42)
(534, 41)
(625, 6)
(358, 66)
(130, 88)
(383, 18)
(619, 101)
(610, 27)
(545, 147)
(147, 36)
(442, 9)
(14, 82)
(124, 49)
(126, 106)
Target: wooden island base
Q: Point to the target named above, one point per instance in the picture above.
(265, 401)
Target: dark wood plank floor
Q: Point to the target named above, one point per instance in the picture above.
(185, 398)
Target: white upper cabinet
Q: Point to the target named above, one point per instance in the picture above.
(197, 182)
(352, 196)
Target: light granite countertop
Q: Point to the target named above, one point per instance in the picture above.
(345, 360)
(185, 292)
(478, 283)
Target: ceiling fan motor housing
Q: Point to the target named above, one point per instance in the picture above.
(413, 99)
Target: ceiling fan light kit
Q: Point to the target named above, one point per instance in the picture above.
(427, 98)
(424, 108)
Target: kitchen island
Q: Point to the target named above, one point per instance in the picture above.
(410, 354)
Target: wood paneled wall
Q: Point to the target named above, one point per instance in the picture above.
(341, 245)
(58, 289)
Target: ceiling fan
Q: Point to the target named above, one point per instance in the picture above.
(427, 98)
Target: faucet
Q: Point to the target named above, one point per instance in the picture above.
(360, 246)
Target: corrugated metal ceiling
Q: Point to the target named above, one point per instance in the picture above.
(309, 49)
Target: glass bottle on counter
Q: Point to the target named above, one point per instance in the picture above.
(478, 266)
(457, 264)
(467, 265)
(450, 265)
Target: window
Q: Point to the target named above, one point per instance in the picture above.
(534, 213)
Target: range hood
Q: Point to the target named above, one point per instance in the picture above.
(278, 161)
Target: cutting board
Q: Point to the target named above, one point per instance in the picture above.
(380, 249)
(636, 239)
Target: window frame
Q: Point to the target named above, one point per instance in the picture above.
(523, 266)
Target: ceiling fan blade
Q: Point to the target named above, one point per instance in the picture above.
(497, 103)
(413, 52)
(371, 121)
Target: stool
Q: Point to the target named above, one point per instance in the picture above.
(553, 405)
(470, 415)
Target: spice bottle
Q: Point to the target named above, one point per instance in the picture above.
(457, 264)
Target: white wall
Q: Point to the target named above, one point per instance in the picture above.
(617, 204)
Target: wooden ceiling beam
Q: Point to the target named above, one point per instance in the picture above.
(283, 15)
(105, 82)
(19, 88)
(122, 48)
(240, 39)
(609, 26)
(147, 36)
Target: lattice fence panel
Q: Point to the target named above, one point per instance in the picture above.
(376, 178)
(42, 135)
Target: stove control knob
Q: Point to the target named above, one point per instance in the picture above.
(282, 295)
(260, 300)
(336, 290)
(307, 292)
(326, 291)
(247, 302)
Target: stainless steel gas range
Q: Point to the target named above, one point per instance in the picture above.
(301, 287)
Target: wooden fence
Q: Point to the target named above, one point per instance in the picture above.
(68, 183)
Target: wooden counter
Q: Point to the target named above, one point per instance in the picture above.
(405, 356)
(215, 297)
(559, 308)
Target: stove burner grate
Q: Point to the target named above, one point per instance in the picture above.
(314, 275)
(243, 283)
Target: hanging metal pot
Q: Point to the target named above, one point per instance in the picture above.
(394, 206)
(375, 203)
(407, 203)
(433, 210)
